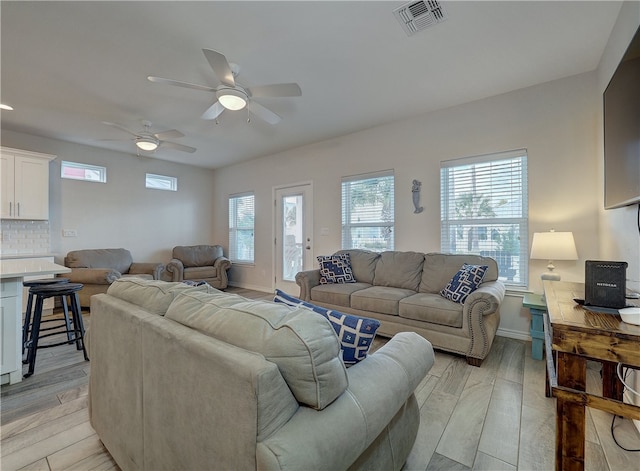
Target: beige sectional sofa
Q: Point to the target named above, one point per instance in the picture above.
(401, 290)
(191, 378)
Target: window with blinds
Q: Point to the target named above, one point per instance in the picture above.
(484, 210)
(241, 228)
(368, 212)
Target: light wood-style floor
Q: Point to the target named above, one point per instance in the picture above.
(491, 418)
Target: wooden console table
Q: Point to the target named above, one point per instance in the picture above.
(576, 335)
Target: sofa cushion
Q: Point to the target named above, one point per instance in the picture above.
(382, 299)
(301, 343)
(464, 282)
(363, 264)
(335, 269)
(117, 259)
(432, 308)
(336, 294)
(399, 270)
(439, 268)
(152, 295)
(355, 333)
(195, 273)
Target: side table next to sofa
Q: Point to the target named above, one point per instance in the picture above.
(537, 307)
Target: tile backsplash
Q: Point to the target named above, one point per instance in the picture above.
(25, 237)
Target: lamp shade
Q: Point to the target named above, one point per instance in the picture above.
(553, 246)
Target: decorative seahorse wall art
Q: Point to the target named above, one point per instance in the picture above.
(415, 190)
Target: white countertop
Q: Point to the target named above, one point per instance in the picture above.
(18, 268)
(5, 256)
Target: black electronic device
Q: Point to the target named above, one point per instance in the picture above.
(605, 284)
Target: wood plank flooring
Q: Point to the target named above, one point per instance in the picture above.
(491, 418)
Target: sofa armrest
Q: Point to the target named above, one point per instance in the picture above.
(481, 318)
(486, 299)
(307, 280)
(222, 264)
(379, 386)
(174, 270)
(146, 268)
(96, 276)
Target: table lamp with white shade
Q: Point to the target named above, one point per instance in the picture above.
(552, 246)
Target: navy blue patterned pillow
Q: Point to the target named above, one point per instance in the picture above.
(464, 282)
(355, 333)
(335, 269)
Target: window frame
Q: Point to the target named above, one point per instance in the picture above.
(66, 164)
(172, 181)
(234, 230)
(347, 210)
(506, 227)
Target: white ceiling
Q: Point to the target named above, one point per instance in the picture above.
(68, 66)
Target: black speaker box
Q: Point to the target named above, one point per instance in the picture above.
(605, 284)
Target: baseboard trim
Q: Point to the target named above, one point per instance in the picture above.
(249, 286)
(514, 334)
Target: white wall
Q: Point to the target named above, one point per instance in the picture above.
(556, 122)
(122, 212)
(618, 234)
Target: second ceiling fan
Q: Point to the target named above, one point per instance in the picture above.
(232, 96)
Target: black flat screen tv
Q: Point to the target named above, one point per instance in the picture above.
(622, 131)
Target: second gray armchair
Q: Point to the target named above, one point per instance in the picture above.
(199, 262)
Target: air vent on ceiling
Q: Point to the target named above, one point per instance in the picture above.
(416, 16)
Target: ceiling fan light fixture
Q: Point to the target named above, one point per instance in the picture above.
(147, 143)
(232, 99)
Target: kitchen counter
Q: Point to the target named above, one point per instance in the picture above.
(12, 273)
(11, 256)
(21, 267)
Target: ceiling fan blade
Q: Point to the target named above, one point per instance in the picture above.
(178, 83)
(122, 128)
(171, 134)
(220, 66)
(213, 111)
(264, 113)
(276, 90)
(176, 146)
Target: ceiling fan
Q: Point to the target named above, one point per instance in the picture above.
(149, 141)
(232, 96)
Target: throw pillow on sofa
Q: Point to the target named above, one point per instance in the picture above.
(335, 269)
(465, 282)
(355, 333)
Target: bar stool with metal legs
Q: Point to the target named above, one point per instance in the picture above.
(77, 328)
(26, 325)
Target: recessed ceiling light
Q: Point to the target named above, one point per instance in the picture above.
(5, 107)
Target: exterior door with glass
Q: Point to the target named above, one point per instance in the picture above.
(293, 229)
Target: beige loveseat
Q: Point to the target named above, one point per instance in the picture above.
(192, 378)
(96, 269)
(401, 290)
(198, 263)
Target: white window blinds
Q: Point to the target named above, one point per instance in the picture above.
(241, 228)
(368, 212)
(484, 210)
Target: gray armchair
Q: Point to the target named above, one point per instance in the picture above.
(96, 269)
(199, 262)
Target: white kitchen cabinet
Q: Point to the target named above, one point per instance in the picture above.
(10, 331)
(24, 185)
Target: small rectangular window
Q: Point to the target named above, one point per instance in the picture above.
(161, 182)
(86, 172)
